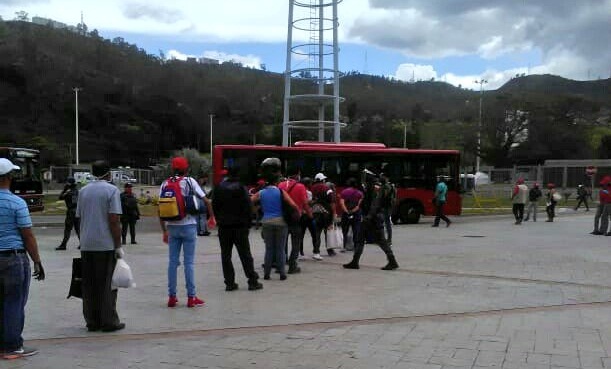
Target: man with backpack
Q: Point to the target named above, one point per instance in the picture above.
(131, 214)
(70, 196)
(323, 211)
(177, 197)
(533, 199)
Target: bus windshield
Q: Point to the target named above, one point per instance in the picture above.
(27, 181)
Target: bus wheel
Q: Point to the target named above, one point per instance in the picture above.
(410, 212)
(395, 218)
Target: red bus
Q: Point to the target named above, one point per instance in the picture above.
(27, 182)
(413, 172)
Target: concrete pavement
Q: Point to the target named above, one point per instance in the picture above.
(482, 293)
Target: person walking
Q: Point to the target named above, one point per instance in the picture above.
(551, 197)
(582, 197)
(439, 200)
(17, 241)
(533, 200)
(99, 210)
(307, 222)
(350, 202)
(373, 224)
(298, 193)
(70, 196)
(273, 227)
(389, 196)
(181, 234)
(130, 214)
(604, 198)
(518, 199)
(232, 208)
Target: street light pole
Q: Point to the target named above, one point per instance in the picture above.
(211, 117)
(481, 83)
(404, 135)
(76, 90)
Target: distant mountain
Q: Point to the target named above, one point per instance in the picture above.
(135, 108)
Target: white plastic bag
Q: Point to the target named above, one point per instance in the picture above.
(349, 240)
(122, 276)
(335, 238)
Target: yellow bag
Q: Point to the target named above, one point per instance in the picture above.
(168, 208)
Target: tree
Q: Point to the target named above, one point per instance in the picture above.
(22, 16)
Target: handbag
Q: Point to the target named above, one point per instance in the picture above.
(76, 289)
(191, 200)
(122, 276)
(335, 238)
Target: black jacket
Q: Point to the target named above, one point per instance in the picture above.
(534, 194)
(231, 204)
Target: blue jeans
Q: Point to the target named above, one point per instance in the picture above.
(275, 237)
(202, 223)
(14, 287)
(182, 236)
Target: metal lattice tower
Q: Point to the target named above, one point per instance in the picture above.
(312, 66)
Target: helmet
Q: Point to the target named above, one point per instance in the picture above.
(272, 163)
(71, 180)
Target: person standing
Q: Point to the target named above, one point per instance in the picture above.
(518, 198)
(298, 193)
(350, 202)
(99, 210)
(307, 222)
(551, 202)
(181, 234)
(274, 228)
(70, 196)
(389, 196)
(232, 208)
(204, 204)
(439, 200)
(17, 241)
(373, 225)
(130, 214)
(323, 210)
(582, 197)
(533, 199)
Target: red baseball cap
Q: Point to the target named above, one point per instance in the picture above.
(606, 180)
(180, 163)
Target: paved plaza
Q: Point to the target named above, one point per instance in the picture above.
(483, 293)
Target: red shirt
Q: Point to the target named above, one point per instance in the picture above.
(297, 192)
(604, 196)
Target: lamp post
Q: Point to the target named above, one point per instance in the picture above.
(404, 135)
(481, 83)
(76, 90)
(211, 117)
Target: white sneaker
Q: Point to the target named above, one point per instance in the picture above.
(316, 257)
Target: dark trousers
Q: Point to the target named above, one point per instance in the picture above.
(440, 214)
(132, 229)
(307, 223)
(582, 200)
(353, 221)
(518, 212)
(71, 222)
(295, 235)
(99, 300)
(229, 236)
(551, 211)
(14, 290)
(321, 222)
(374, 227)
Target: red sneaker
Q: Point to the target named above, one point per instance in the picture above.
(194, 302)
(172, 301)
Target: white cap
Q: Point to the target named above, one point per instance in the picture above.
(7, 166)
(320, 177)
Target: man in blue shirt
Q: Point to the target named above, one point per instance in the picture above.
(441, 191)
(16, 238)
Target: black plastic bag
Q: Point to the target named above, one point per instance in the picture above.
(77, 278)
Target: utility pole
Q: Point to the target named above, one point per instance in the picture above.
(76, 90)
(211, 117)
(404, 135)
(481, 83)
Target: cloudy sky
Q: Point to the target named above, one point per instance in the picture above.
(457, 41)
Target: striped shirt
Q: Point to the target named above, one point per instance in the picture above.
(14, 214)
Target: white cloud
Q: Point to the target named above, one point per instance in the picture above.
(407, 71)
